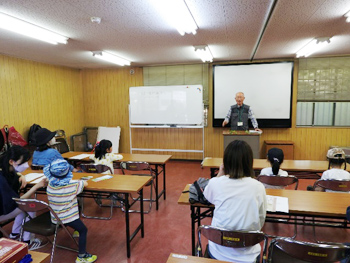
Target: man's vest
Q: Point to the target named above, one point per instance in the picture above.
(239, 115)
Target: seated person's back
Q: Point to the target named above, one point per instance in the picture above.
(275, 156)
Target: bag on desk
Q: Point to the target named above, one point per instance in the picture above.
(196, 191)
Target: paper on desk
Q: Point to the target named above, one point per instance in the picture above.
(32, 176)
(37, 180)
(254, 131)
(277, 204)
(105, 177)
(81, 156)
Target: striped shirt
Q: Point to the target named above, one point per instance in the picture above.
(63, 201)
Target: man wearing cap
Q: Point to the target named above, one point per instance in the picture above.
(239, 114)
(44, 154)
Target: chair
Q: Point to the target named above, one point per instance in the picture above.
(288, 250)
(61, 142)
(99, 168)
(333, 185)
(279, 180)
(95, 168)
(142, 169)
(228, 238)
(37, 167)
(42, 224)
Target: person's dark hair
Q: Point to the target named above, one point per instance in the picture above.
(275, 157)
(42, 148)
(101, 148)
(238, 160)
(337, 162)
(14, 153)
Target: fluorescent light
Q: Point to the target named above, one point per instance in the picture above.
(315, 45)
(111, 58)
(347, 15)
(204, 53)
(21, 27)
(178, 14)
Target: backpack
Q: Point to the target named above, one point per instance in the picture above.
(196, 191)
(4, 142)
(32, 130)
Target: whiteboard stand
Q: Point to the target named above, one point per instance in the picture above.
(162, 127)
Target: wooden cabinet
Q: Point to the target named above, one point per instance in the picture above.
(286, 146)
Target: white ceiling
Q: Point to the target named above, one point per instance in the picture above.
(134, 30)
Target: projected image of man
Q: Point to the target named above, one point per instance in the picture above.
(239, 114)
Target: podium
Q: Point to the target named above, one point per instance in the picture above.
(253, 139)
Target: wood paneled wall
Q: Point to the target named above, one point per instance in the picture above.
(32, 92)
(106, 99)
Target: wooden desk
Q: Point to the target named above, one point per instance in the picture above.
(39, 257)
(286, 146)
(178, 258)
(324, 206)
(291, 166)
(124, 184)
(158, 162)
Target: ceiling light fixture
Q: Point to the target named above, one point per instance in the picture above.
(313, 46)
(204, 53)
(111, 58)
(178, 14)
(347, 15)
(21, 27)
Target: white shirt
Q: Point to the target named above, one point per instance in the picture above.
(268, 171)
(108, 159)
(240, 204)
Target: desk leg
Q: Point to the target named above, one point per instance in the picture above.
(157, 197)
(127, 223)
(193, 230)
(163, 166)
(142, 216)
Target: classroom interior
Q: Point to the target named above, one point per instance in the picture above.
(67, 98)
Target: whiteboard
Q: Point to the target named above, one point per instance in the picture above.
(166, 105)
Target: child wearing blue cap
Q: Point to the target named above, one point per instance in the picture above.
(62, 194)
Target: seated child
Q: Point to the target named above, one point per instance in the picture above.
(62, 194)
(336, 157)
(275, 156)
(104, 154)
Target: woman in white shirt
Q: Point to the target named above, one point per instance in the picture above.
(240, 201)
(104, 154)
(275, 156)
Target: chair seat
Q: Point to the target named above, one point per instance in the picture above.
(41, 225)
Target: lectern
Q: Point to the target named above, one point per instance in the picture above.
(253, 139)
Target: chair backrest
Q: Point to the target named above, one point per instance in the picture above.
(37, 167)
(31, 205)
(333, 185)
(136, 167)
(288, 250)
(110, 133)
(91, 136)
(78, 142)
(279, 180)
(95, 168)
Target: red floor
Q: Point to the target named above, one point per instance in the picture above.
(168, 229)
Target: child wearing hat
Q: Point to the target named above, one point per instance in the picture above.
(44, 154)
(62, 194)
(275, 156)
(336, 157)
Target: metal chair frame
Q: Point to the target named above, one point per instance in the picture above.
(113, 198)
(137, 167)
(288, 250)
(229, 238)
(34, 205)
